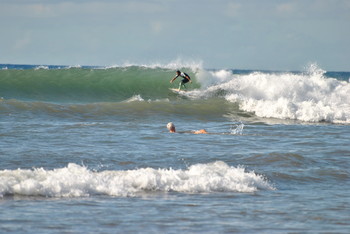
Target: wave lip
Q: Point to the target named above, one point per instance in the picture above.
(78, 181)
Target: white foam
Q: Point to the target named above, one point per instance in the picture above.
(41, 67)
(178, 63)
(74, 66)
(135, 98)
(306, 96)
(77, 181)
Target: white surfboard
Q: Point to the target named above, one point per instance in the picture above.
(177, 90)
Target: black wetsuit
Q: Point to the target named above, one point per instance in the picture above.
(184, 80)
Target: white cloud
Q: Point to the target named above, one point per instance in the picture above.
(285, 8)
(32, 9)
(233, 9)
(40, 10)
(157, 26)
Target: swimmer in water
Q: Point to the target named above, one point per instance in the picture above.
(171, 127)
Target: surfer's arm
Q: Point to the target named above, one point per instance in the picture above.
(172, 80)
(188, 78)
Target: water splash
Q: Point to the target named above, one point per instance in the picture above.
(237, 129)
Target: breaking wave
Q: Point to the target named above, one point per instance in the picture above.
(312, 96)
(307, 96)
(79, 181)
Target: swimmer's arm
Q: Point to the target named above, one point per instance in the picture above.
(202, 131)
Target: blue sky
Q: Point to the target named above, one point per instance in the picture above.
(242, 34)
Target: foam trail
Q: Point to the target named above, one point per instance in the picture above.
(78, 181)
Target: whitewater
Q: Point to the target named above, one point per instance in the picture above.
(78, 181)
(85, 149)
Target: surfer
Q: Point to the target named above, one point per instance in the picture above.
(171, 127)
(186, 78)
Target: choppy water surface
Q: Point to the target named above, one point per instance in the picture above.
(86, 150)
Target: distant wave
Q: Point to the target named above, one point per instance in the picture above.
(79, 181)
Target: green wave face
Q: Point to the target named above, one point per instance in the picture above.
(88, 85)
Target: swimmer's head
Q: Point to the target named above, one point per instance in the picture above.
(171, 127)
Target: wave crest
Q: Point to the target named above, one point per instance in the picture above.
(78, 181)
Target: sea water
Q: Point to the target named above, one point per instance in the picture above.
(86, 150)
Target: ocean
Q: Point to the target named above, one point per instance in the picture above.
(85, 149)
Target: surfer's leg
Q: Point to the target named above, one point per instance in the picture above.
(183, 82)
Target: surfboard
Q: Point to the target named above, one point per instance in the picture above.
(174, 90)
(177, 90)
